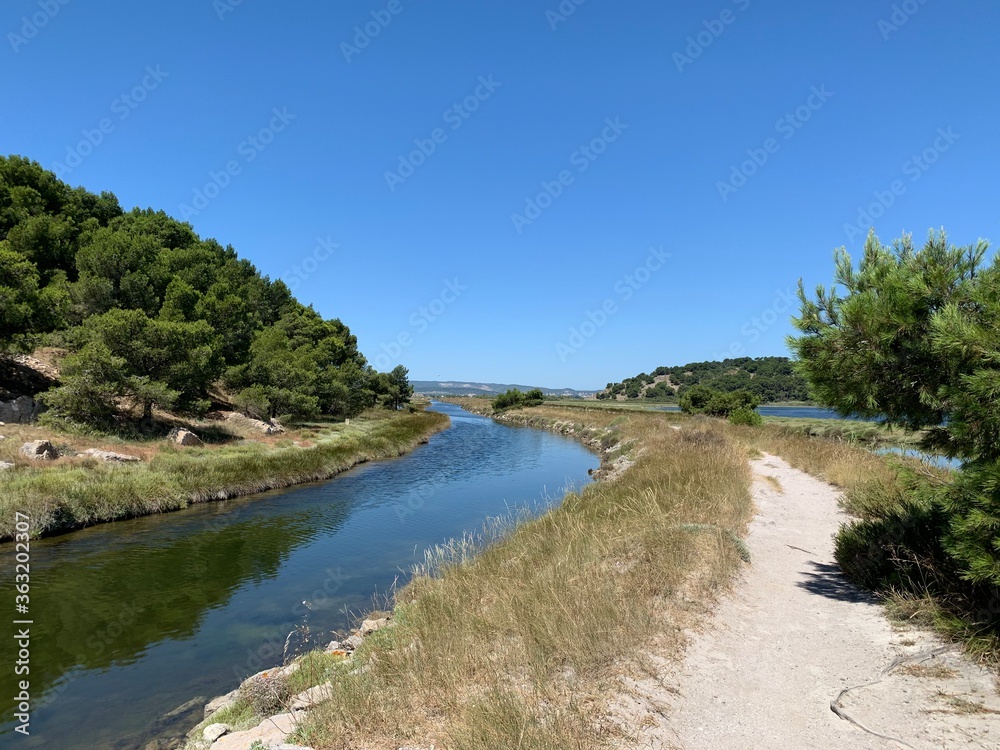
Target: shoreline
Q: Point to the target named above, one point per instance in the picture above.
(394, 663)
(63, 499)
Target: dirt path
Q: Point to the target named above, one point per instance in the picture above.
(792, 636)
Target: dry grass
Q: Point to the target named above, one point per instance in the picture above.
(518, 645)
(929, 671)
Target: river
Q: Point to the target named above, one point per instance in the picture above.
(136, 618)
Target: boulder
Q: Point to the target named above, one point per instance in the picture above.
(20, 410)
(241, 420)
(110, 456)
(271, 732)
(370, 626)
(213, 731)
(223, 701)
(180, 436)
(353, 642)
(39, 450)
(6, 465)
(332, 646)
(312, 696)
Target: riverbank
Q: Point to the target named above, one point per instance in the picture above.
(569, 630)
(78, 490)
(517, 636)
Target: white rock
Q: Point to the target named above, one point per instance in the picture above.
(223, 701)
(332, 646)
(312, 696)
(370, 626)
(353, 642)
(213, 731)
(6, 465)
(111, 456)
(181, 436)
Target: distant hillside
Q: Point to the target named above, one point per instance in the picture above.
(771, 378)
(460, 388)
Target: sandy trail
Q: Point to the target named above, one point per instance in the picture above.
(791, 636)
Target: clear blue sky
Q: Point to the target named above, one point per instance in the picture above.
(693, 89)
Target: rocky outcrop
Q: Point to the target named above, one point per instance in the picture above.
(239, 420)
(273, 732)
(39, 450)
(181, 436)
(21, 410)
(110, 456)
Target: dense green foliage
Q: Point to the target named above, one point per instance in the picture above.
(154, 315)
(700, 399)
(916, 338)
(514, 398)
(769, 378)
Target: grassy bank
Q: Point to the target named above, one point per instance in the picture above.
(518, 637)
(81, 491)
(519, 645)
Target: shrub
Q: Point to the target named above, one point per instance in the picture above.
(746, 416)
(267, 693)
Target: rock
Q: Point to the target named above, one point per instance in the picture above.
(370, 626)
(332, 646)
(241, 420)
(180, 436)
(6, 465)
(213, 731)
(312, 696)
(223, 701)
(271, 732)
(39, 450)
(353, 642)
(21, 410)
(110, 456)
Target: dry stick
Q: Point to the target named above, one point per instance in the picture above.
(897, 662)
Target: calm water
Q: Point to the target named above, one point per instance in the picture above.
(134, 619)
(802, 412)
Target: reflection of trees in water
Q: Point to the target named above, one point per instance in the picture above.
(108, 605)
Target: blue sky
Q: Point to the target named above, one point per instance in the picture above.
(534, 192)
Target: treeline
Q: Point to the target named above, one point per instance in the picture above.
(154, 316)
(769, 378)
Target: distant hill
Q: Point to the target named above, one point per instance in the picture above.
(771, 378)
(461, 388)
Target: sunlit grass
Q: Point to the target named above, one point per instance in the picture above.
(79, 492)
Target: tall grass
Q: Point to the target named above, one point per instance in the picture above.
(518, 645)
(76, 493)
